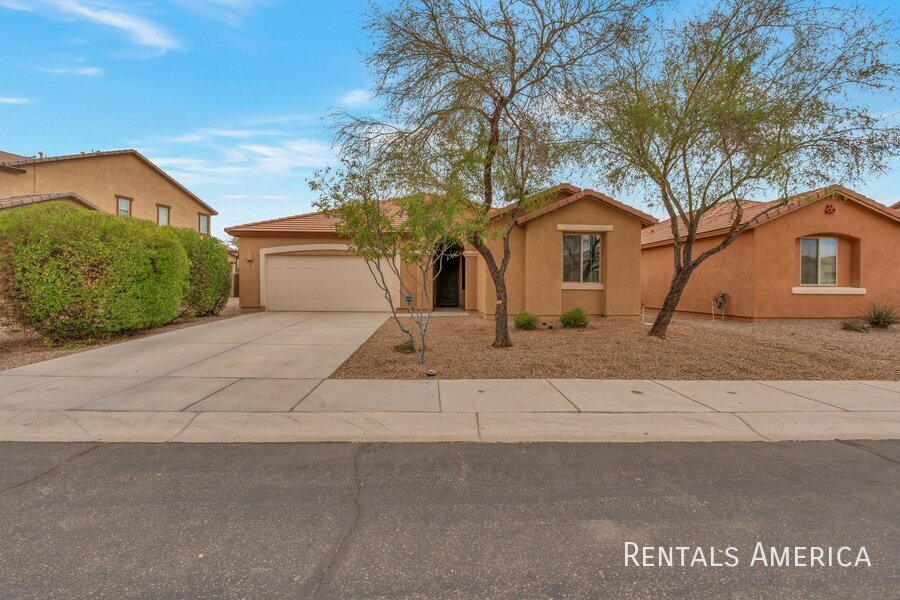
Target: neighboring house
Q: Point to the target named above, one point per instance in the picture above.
(823, 254)
(120, 182)
(580, 250)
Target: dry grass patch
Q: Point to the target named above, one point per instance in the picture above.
(460, 348)
(20, 347)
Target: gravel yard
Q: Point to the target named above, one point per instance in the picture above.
(696, 348)
(19, 348)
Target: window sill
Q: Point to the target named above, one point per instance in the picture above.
(571, 285)
(814, 290)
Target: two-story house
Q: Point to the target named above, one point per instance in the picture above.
(122, 182)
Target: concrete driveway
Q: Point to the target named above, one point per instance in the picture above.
(268, 361)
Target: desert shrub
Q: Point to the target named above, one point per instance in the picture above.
(209, 279)
(525, 320)
(854, 326)
(405, 347)
(880, 315)
(575, 317)
(74, 273)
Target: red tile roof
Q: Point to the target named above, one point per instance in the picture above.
(720, 218)
(14, 161)
(896, 206)
(316, 223)
(14, 201)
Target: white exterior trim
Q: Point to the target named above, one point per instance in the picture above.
(285, 250)
(574, 285)
(827, 290)
(584, 228)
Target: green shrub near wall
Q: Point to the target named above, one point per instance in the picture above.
(209, 280)
(74, 273)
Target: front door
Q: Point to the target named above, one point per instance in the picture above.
(447, 284)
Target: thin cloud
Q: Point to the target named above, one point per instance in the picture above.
(230, 12)
(252, 159)
(82, 71)
(203, 135)
(14, 101)
(140, 30)
(357, 97)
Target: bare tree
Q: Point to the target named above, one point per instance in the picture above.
(471, 88)
(404, 236)
(749, 97)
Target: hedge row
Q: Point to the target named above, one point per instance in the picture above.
(73, 273)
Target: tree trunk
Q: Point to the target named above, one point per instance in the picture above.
(679, 282)
(501, 326)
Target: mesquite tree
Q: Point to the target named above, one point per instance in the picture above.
(474, 86)
(403, 235)
(748, 97)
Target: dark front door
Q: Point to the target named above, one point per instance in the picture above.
(447, 284)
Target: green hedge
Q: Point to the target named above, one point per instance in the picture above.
(209, 281)
(73, 273)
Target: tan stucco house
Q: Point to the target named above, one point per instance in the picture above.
(822, 254)
(582, 249)
(120, 182)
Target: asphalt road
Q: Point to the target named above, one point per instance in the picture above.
(440, 520)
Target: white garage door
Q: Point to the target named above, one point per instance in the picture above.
(323, 283)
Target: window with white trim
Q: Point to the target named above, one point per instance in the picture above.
(123, 206)
(818, 261)
(162, 214)
(581, 258)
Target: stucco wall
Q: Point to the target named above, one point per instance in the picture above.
(730, 271)
(100, 179)
(534, 277)
(867, 258)
(760, 269)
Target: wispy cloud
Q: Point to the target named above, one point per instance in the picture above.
(83, 71)
(141, 30)
(14, 101)
(230, 12)
(247, 159)
(202, 135)
(357, 97)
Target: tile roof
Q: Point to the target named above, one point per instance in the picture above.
(14, 201)
(720, 218)
(313, 223)
(316, 223)
(20, 161)
(896, 206)
(7, 156)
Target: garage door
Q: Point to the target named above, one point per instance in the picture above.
(322, 283)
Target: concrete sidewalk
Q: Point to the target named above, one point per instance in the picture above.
(193, 408)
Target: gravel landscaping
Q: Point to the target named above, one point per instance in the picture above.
(696, 348)
(19, 348)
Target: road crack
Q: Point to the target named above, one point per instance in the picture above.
(341, 549)
(865, 448)
(54, 469)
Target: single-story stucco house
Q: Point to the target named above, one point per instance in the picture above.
(581, 249)
(823, 254)
(122, 182)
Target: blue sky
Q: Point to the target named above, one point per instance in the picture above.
(229, 96)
